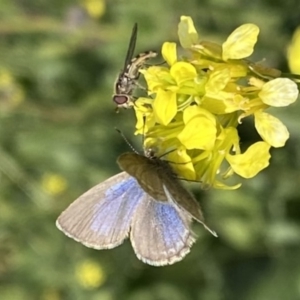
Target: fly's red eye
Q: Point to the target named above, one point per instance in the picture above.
(120, 99)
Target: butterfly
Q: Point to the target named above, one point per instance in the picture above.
(145, 202)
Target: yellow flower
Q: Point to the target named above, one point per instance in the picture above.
(195, 105)
(95, 8)
(54, 184)
(90, 275)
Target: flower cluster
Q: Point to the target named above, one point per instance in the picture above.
(195, 104)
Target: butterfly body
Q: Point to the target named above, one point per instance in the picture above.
(140, 203)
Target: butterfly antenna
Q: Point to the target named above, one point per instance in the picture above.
(127, 141)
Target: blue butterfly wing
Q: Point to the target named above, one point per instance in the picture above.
(101, 218)
(160, 232)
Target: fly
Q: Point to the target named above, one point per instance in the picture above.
(128, 77)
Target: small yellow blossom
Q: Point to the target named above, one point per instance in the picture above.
(195, 105)
(90, 274)
(54, 184)
(95, 8)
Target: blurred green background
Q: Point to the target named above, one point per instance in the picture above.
(58, 63)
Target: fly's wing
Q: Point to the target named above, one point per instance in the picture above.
(101, 217)
(160, 232)
(131, 47)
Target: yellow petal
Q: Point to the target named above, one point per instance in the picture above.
(199, 133)
(194, 111)
(169, 53)
(187, 33)
(271, 129)
(279, 92)
(209, 49)
(240, 43)
(250, 163)
(165, 107)
(218, 80)
(223, 102)
(182, 72)
(144, 115)
(215, 106)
